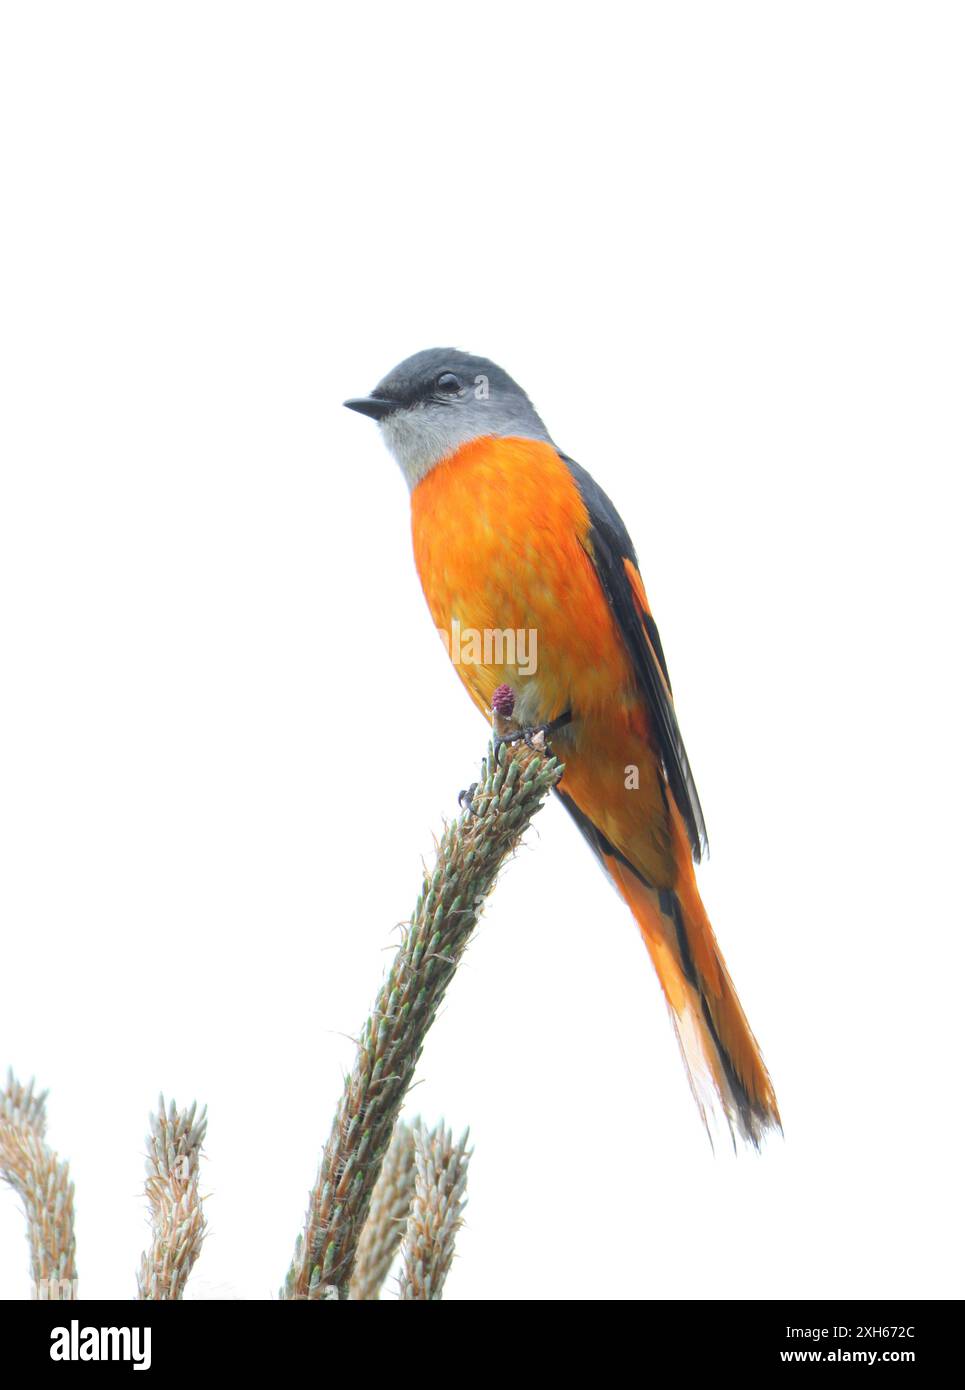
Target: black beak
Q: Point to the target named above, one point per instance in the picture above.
(372, 406)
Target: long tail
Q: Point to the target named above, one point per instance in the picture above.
(720, 1052)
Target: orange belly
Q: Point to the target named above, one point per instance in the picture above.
(497, 534)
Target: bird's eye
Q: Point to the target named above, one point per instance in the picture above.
(448, 383)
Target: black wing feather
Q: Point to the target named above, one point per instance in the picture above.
(611, 546)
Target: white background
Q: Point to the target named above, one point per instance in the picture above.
(721, 246)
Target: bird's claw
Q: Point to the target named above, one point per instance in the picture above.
(467, 797)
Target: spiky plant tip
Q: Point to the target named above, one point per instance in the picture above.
(470, 854)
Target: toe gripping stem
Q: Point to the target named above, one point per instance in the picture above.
(526, 734)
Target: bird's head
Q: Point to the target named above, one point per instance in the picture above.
(439, 399)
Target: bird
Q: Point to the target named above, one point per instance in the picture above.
(514, 539)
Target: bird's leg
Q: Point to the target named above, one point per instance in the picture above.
(547, 730)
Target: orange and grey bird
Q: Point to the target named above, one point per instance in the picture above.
(511, 534)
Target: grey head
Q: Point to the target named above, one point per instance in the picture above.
(439, 399)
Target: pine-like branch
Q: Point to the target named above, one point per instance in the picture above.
(436, 1214)
(388, 1214)
(177, 1214)
(42, 1182)
(472, 850)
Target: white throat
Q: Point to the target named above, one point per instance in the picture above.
(420, 436)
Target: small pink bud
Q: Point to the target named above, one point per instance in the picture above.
(504, 700)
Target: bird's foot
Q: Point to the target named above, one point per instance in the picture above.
(533, 735)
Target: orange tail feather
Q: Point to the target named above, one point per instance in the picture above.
(721, 1054)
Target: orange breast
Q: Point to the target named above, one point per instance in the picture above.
(497, 532)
